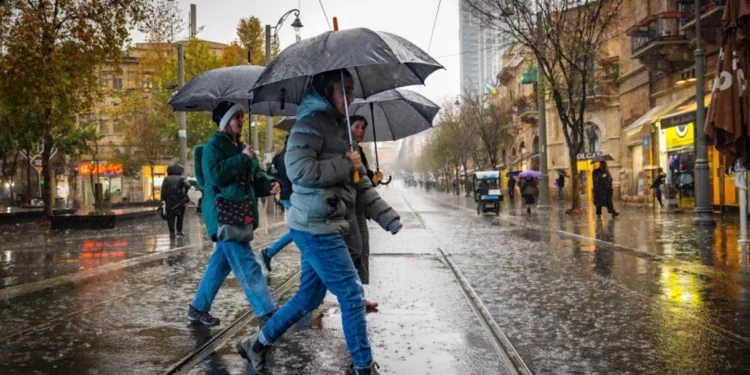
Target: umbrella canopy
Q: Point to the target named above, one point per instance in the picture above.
(513, 173)
(395, 114)
(206, 91)
(603, 157)
(286, 123)
(378, 61)
(530, 174)
(561, 172)
(726, 121)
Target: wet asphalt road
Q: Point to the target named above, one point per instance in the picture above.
(568, 305)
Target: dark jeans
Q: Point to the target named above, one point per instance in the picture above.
(171, 219)
(658, 197)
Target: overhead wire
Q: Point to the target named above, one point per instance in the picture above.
(324, 14)
(434, 23)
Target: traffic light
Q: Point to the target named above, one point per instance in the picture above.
(41, 180)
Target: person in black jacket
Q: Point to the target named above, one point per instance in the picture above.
(359, 129)
(279, 172)
(658, 182)
(603, 190)
(174, 193)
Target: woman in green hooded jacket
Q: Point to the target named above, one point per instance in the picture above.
(231, 171)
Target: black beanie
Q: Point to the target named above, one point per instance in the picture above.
(321, 82)
(220, 111)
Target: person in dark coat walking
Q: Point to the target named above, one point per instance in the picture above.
(512, 188)
(286, 193)
(358, 237)
(658, 182)
(560, 186)
(174, 193)
(603, 190)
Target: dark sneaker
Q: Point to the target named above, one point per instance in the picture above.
(265, 260)
(615, 214)
(256, 360)
(180, 234)
(372, 370)
(196, 316)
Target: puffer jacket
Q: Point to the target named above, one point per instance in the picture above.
(174, 190)
(229, 172)
(324, 195)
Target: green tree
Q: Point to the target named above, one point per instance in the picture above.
(54, 51)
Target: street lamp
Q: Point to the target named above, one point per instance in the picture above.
(458, 101)
(297, 25)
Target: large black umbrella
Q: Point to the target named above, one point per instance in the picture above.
(206, 91)
(378, 61)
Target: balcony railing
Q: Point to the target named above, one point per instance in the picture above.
(687, 9)
(662, 27)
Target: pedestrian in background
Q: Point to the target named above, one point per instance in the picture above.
(232, 174)
(560, 186)
(174, 191)
(603, 190)
(286, 193)
(656, 185)
(512, 188)
(529, 191)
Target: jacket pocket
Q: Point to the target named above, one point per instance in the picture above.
(326, 205)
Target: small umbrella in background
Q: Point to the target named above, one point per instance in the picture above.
(204, 92)
(530, 174)
(600, 158)
(561, 172)
(377, 62)
(513, 173)
(394, 115)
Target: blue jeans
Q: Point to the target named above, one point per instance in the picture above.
(559, 193)
(237, 257)
(326, 264)
(284, 240)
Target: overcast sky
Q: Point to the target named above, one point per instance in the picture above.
(411, 19)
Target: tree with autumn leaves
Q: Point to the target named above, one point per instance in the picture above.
(52, 51)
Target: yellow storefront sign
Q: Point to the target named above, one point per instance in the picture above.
(680, 136)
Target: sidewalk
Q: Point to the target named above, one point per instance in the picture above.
(658, 234)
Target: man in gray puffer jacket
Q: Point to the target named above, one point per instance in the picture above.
(320, 165)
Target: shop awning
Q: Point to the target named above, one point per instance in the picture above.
(684, 113)
(529, 76)
(650, 117)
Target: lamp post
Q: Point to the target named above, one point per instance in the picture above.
(702, 214)
(297, 25)
(543, 203)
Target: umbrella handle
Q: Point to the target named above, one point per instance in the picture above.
(387, 182)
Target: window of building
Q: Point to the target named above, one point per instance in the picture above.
(103, 124)
(116, 126)
(117, 83)
(104, 80)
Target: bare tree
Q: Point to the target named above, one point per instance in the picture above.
(566, 38)
(489, 121)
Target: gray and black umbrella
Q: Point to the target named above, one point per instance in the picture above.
(378, 61)
(233, 84)
(395, 114)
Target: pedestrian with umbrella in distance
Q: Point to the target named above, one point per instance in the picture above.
(529, 188)
(324, 74)
(603, 190)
